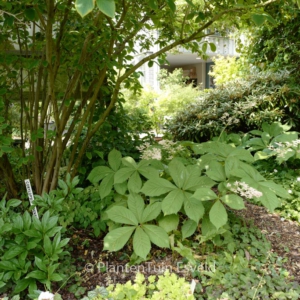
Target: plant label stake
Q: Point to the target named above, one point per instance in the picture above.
(30, 196)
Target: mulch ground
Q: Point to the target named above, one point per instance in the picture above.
(100, 268)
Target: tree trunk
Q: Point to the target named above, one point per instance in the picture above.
(7, 174)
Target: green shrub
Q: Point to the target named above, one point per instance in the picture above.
(30, 249)
(240, 105)
(152, 199)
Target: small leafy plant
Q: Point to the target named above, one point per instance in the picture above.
(30, 249)
(167, 286)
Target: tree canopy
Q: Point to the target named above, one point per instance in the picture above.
(62, 68)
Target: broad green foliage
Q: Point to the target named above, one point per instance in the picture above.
(227, 69)
(31, 249)
(239, 105)
(153, 199)
(275, 140)
(174, 95)
(66, 65)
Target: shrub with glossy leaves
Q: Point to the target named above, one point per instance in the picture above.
(239, 105)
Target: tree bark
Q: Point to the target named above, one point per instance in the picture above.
(7, 174)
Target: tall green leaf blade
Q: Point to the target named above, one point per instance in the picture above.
(218, 214)
(84, 7)
(115, 159)
(136, 205)
(172, 203)
(108, 7)
(194, 209)
(157, 187)
(141, 243)
(157, 235)
(151, 212)
(117, 238)
(188, 228)
(122, 215)
(233, 201)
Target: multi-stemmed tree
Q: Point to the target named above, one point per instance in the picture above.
(63, 67)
